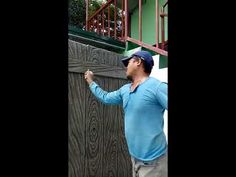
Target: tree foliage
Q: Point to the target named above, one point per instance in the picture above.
(77, 13)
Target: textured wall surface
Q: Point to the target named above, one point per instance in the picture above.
(97, 146)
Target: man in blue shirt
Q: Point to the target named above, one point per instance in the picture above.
(144, 101)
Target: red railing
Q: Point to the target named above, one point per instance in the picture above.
(163, 14)
(102, 23)
(117, 27)
(139, 41)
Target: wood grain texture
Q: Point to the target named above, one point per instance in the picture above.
(76, 125)
(97, 146)
(94, 139)
(100, 61)
(110, 125)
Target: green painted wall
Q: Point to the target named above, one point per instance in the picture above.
(148, 22)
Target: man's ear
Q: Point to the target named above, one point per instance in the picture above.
(139, 62)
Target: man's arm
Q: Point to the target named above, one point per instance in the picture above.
(162, 95)
(105, 97)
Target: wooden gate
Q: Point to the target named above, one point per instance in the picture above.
(97, 146)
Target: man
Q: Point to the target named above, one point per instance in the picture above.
(144, 101)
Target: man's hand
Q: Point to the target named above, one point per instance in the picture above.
(88, 75)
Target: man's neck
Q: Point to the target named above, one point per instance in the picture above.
(138, 80)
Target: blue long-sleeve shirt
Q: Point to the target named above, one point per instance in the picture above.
(144, 110)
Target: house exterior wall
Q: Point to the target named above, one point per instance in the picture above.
(148, 22)
(162, 75)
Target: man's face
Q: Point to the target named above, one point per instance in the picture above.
(131, 68)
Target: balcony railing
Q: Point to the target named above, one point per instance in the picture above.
(163, 15)
(114, 24)
(104, 23)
